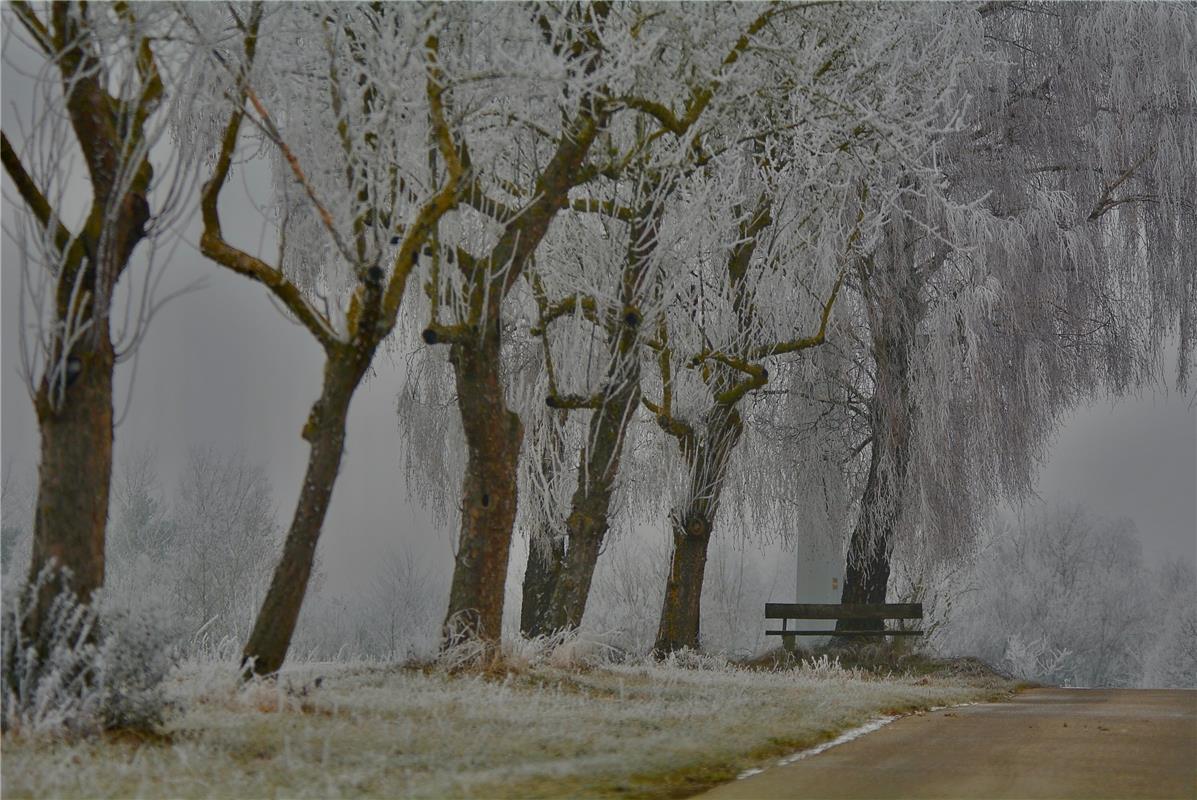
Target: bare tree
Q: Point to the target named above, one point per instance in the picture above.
(225, 539)
(352, 219)
(101, 92)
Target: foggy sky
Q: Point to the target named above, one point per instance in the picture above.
(222, 367)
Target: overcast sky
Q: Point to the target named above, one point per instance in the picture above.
(222, 367)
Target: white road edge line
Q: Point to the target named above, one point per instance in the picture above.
(843, 738)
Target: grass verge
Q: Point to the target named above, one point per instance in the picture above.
(638, 730)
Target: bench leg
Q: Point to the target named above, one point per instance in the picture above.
(790, 643)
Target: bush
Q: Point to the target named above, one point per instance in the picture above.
(93, 667)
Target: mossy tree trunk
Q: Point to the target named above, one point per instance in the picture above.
(544, 565)
(493, 432)
(73, 398)
(600, 458)
(267, 646)
(493, 435)
(74, 474)
(707, 458)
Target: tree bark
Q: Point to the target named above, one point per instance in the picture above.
(325, 429)
(74, 475)
(544, 565)
(493, 436)
(681, 613)
(708, 460)
(600, 458)
(866, 576)
(588, 521)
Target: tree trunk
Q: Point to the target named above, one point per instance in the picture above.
(895, 311)
(325, 430)
(866, 576)
(599, 460)
(681, 612)
(493, 436)
(74, 397)
(544, 565)
(588, 522)
(74, 474)
(708, 461)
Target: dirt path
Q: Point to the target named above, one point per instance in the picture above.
(1046, 743)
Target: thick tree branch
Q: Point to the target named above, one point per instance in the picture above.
(795, 345)
(608, 208)
(700, 96)
(564, 307)
(446, 198)
(1105, 203)
(37, 29)
(574, 401)
(33, 197)
(214, 246)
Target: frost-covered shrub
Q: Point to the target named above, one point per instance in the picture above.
(48, 685)
(132, 663)
(92, 667)
(823, 667)
(1037, 658)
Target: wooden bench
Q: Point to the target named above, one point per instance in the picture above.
(875, 612)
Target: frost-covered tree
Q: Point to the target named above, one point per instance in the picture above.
(102, 86)
(1058, 596)
(141, 562)
(1052, 260)
(487, 248)
(225, 540)
(201, 554)
(616, 258)
(779, 227)
(1170, 659)
(627, 270)
(590, 56)
(347, 100)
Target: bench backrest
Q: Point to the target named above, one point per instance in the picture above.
(849, 611)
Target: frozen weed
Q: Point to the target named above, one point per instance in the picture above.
(93, 667)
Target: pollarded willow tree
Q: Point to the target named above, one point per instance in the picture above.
(609, 277)
(484, 252)
(348, 102)
(103, 84)
(524, 183)
(788, 217)
(1068, 273)
(561, 564)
